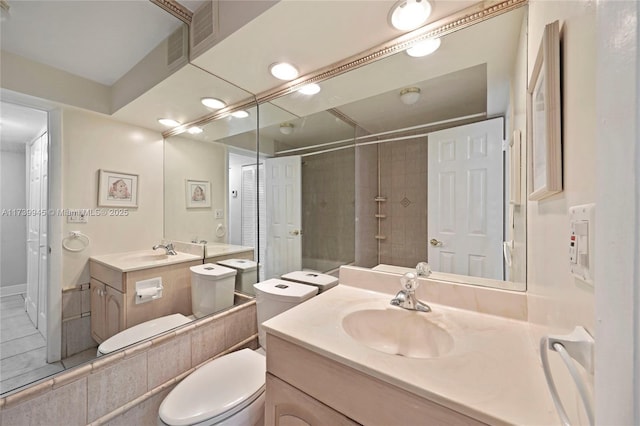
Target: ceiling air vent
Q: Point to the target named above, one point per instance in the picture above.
(204, 27)
(177, 47)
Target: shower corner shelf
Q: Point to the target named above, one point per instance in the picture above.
(380, 237)
(381, 216)
(380, 199)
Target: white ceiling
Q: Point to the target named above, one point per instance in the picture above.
(102, 39)
(20, 125)
(99, 39)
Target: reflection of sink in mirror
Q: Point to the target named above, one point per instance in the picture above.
(398, 332)
(217, 249)
(142, 259)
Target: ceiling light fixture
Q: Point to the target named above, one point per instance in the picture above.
(309, 89)
(240, 114)
(213, 103)
(168, 122)
(424, 47)
(409, 14)
(195, 130)
(286, 128)
(283, 71)
(410, 95)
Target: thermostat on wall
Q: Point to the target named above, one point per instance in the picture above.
(581, 242)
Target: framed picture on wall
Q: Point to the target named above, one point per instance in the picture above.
(116, 189)
(198, 193)
(544, 118)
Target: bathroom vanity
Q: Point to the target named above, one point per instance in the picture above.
(348, 357)
(113, 289)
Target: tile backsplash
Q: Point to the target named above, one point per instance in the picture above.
(128, 386)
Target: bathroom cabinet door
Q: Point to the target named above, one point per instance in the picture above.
(114, 311)
(98, 294)
(287, 406)
(107, 311)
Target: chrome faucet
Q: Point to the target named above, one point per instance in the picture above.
(406, 297)
(169, 248)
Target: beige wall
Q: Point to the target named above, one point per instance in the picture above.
(556, 300)
(91, 142)
(194, 160)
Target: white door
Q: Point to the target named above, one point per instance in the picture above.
(284, 219)
(253, 231)
(43, 246)
(35, 300)
(465, 200)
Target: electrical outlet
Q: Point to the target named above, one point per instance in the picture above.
(218, 213)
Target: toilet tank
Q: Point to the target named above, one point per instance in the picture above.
(211, 288)
(275, 296)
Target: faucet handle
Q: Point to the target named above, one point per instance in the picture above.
(409, 282)
(423, 269)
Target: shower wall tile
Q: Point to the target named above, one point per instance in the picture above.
(145, 413)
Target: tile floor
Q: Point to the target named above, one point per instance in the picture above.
(23, 349)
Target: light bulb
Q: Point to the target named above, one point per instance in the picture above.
(168, 122)
(309, 89)
(424, 48)
(283, 71)
(213, 103)
(409, 14)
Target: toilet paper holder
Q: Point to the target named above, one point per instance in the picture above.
(148, 290)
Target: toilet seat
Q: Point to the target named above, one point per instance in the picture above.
(217, 390)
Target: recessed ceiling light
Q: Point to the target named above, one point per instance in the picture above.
(168, 122)
(195, 130)
(309, 89)
(283, 71)
(213, 103)
(409, 14)
(424, 48)
(240, 114)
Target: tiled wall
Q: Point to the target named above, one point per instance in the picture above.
(127, 388)
(366, 207)
(76, 320)
(403, 181)
(328, 191)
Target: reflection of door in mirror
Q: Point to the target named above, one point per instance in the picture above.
(466, 200)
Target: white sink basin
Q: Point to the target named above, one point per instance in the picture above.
(142, 259)
(398, 332)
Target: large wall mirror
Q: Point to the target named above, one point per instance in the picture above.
(403, 160)
(361, 154)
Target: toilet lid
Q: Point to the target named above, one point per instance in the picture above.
(322, 281)
(212, 271)
(220, 388)
(240, 264)
(141, 332)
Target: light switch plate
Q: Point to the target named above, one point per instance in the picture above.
(581, 241)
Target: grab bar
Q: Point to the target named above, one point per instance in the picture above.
(580, 343)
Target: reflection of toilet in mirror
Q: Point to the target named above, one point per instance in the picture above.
(230, 390)
(246, 276)
(211, 288)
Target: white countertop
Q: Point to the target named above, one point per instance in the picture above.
(142, 259)
(492, 374)
(221, 249)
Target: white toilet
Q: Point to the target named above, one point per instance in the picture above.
(246, 275)
(229, 390)
(323, 281)
(211, 288)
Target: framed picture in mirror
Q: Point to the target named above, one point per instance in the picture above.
(117, 189)
(544, 118)
(198, 193)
